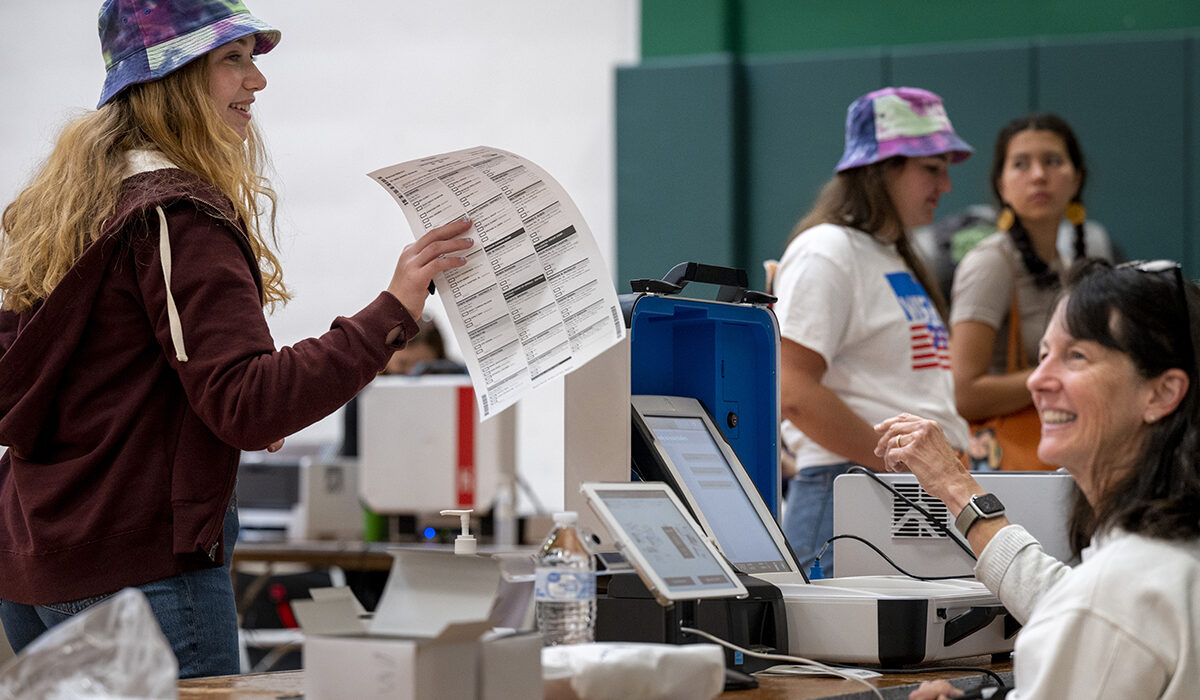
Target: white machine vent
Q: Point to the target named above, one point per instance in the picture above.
(908, 523)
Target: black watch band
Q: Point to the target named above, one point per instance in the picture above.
(981, 506)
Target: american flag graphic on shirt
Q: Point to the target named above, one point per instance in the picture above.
(928, 338)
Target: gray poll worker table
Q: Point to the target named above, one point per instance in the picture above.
(352, 556)
(289, 685)
(260, 559)
(357, 556)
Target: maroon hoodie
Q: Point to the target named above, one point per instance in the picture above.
(121, 457)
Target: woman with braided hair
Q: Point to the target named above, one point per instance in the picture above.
(1037, 176)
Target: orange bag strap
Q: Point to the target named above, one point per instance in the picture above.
(1016, 360)
(1016, 348)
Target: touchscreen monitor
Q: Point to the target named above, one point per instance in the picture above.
(665, 545)
(694, 457)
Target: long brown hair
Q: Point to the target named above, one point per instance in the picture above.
(858, 198)
(71, 198)
(1149, 318)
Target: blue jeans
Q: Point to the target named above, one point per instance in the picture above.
(195, 610)
(808, 515)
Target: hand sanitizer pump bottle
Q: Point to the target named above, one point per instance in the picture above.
(464, 543)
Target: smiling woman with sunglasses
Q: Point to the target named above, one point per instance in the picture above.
(1116, 389)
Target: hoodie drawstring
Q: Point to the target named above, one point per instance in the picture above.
(164, 253)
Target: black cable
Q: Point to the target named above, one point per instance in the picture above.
(887, 559)
(936, 522)
(931, 669)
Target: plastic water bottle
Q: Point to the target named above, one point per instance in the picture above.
(565, 589)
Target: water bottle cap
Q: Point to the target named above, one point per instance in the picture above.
(567, 517)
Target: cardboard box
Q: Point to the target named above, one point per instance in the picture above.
(430, 638)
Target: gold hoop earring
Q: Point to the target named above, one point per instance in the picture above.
(1076, 213)
(1006, 219)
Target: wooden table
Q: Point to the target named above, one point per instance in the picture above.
(257, 686)
(289, 685)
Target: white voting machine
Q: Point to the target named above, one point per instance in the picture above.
(1039, 501)
(888, 620)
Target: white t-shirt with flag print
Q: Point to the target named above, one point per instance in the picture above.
(851, 299)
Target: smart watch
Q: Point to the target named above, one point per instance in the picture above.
(982, 505)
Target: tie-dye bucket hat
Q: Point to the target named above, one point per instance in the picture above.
(899, 121)
(144, 40)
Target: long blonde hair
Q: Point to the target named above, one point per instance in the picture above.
(66, 207)
(858, 198)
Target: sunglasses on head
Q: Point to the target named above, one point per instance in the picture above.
(1151, 266)
(1157, 266)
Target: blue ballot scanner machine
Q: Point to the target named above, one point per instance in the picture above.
(723, 352)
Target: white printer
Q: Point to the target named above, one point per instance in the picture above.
(1039, 501)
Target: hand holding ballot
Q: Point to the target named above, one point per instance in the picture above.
(432, 253)
(534, 299)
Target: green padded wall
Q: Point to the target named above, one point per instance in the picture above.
(686, 27)
(1126, 101)
(682, 27)
(790, 158)
(790, 25)
(728, 187)
(795, 116)
(982, 86)
(1191, 136)
(675, 166)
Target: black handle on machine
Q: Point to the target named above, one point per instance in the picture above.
(967, 623)
(732, 283)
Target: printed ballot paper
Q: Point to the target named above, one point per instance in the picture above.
(535, 299)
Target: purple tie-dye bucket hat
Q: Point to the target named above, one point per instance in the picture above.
(144, 40)
(899, 121)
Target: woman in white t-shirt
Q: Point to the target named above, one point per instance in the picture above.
(861, 318)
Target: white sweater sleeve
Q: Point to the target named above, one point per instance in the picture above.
(1014, 566)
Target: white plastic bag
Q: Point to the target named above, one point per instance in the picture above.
(624, 670)
(113, 650)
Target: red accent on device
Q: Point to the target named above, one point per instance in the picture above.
(464, 474)
(278, 594)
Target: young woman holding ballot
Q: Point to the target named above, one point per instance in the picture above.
(135, 358)
(1116, 389)
(861, 319)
